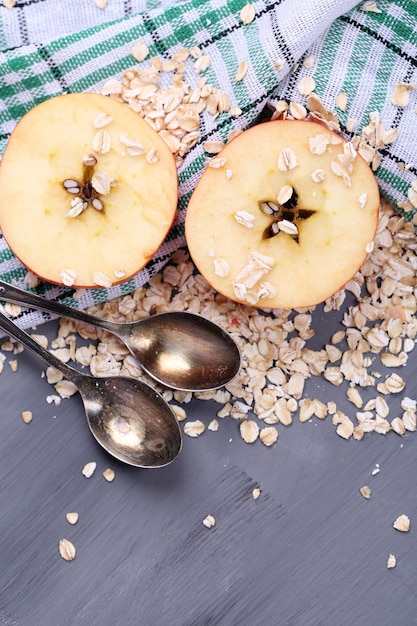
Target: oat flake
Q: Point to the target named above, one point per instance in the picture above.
(402, 523)
(89, 469)
(140, 51)
(249, 431)
(287, 160)
(67, 550)
(109, 475)
(209, 521)
(72, 518)
(247, 14)
(102, 280)
(27, 416)
(306, 85)
(194, 429)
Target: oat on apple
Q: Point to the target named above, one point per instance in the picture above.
(288, 217)
(88, 191)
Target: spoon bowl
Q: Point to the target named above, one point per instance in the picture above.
(127, 417)
(131, 420)
(179, 349)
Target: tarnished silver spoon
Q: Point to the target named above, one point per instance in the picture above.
(179, 349)
(127, 417)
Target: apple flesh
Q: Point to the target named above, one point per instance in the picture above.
(283, 216)
(88, 191)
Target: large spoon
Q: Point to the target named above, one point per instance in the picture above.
(127, 417)
(178, 349)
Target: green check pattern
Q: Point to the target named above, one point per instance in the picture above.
(361, 53)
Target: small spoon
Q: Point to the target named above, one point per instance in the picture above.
(178, 349)
(127, 417)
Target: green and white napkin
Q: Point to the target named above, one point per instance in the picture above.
(367, 51)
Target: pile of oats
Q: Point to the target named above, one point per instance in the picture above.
(377, 328)
(171, 104)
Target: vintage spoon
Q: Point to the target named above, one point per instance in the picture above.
(179, 349)
(127, 417)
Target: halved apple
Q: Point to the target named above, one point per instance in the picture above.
(283, 216)
(88, 191)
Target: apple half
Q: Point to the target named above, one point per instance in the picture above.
(88, 191)
(283, 216)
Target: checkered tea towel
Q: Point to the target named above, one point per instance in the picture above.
(362, 58)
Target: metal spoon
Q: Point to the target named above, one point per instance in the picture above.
(127, 417)
(179, 349)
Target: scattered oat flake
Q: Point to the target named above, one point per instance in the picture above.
(351, 124)
(72, 518)
(101, 142)
(363, 199)
(152, 156)
(9, 4)
(109, 474)
(391, 561)
(236, 112)
(27, 416)
(213, 147)
(366, 492)
(370, 6)
(256, 492)
(66, 388)
(102, 119)
(102, 280)
(290, 228)
(401, 94)
(285, 194)
(89, 469)
(53, 399)
(194, 429)
(247, 14)
(217, 162)
(180, 413)
(268, 435)
(249, 431)
(402, 523)
(202, 64)
(213, 426)
(287, 160)
(318, 176)
(67, 550)
(14, 365)
(245, 218)
(297, 111)
(241, 71)
(221, 267)
(209, 521)
(306, 85)
(341, 101)
(346, 428)
(140, 51)
(13, 309)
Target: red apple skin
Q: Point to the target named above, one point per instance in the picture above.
(333, 243)
(44, 149)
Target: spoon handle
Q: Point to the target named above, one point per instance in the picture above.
(24, 338)
(10, 293)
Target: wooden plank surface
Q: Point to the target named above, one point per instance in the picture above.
(310, 550)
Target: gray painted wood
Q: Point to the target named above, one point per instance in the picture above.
(311, 550)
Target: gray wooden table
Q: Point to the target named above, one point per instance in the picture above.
(310, 550)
